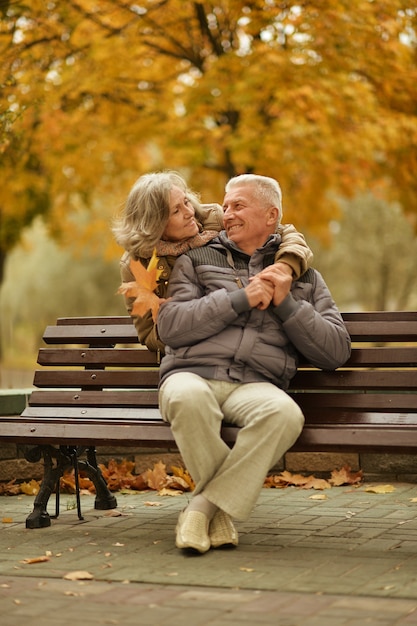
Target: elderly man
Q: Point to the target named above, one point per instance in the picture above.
(233, 327)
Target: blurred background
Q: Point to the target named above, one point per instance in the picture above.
(320, 95)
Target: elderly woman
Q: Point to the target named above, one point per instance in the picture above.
(163, 215)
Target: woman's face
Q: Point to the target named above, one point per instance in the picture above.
(181, 223)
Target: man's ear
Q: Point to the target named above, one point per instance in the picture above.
(272, 216)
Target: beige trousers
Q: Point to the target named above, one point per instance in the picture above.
(270, 423)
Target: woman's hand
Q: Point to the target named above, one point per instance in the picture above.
(279, 279)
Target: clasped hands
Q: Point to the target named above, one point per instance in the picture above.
(271, 285)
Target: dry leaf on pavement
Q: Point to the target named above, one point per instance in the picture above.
(36, 559)
(380, 489)
(345, 476)
(78, 575)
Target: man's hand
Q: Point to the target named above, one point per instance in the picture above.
(279, 278)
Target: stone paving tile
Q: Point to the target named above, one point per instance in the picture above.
(300, 562)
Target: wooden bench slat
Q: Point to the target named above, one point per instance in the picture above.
(337, 402)
(358, 439)
(137, 357)
(122, 416)
(380, 316)
(96, 378)
(312, 379)
(123, 398)
(327, 401)
(68, 433)
(123, 357)
(100, 334)
(320, 438)
(383, 357)
(94, 320)
(383, 331)
(367, 316)
(355, 380)
(112, 414)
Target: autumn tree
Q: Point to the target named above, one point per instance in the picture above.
(321, 95)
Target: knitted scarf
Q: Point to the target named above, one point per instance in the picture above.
(176, 248)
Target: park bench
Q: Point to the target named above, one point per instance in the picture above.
(98, 386)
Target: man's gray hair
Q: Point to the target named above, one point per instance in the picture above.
(266, 189)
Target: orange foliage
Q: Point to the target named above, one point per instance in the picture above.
(323, 98)
(143, 287)
(343, 476)
(120, 476)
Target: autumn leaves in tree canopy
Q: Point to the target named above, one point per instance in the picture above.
(321, 95)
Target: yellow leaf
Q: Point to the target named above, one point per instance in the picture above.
(165, 491)
(380, 489)
(143, 289)
(78, 575)
(153, 264)
(31, 488)
(184, 474)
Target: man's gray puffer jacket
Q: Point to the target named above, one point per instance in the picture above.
(209, 328)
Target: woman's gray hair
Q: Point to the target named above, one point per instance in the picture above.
(266, 189)
(146, 212)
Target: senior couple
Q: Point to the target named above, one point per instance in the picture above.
(238, 304)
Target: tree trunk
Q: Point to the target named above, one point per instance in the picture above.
(2, 266)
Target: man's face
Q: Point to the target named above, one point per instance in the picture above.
(248, 223)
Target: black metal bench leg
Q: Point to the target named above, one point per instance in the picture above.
(105, 500)
(67, 456)
(72, 452)
(40, 518)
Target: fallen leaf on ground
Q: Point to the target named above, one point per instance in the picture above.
(36, 559)
(380, 489)
(78, 575)
(7, 520)
(345, 476)
(169, 492)
(156, 478)
(10, 488)
(31, 488)
(286, 479)
(184, 475)
(318, 496)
